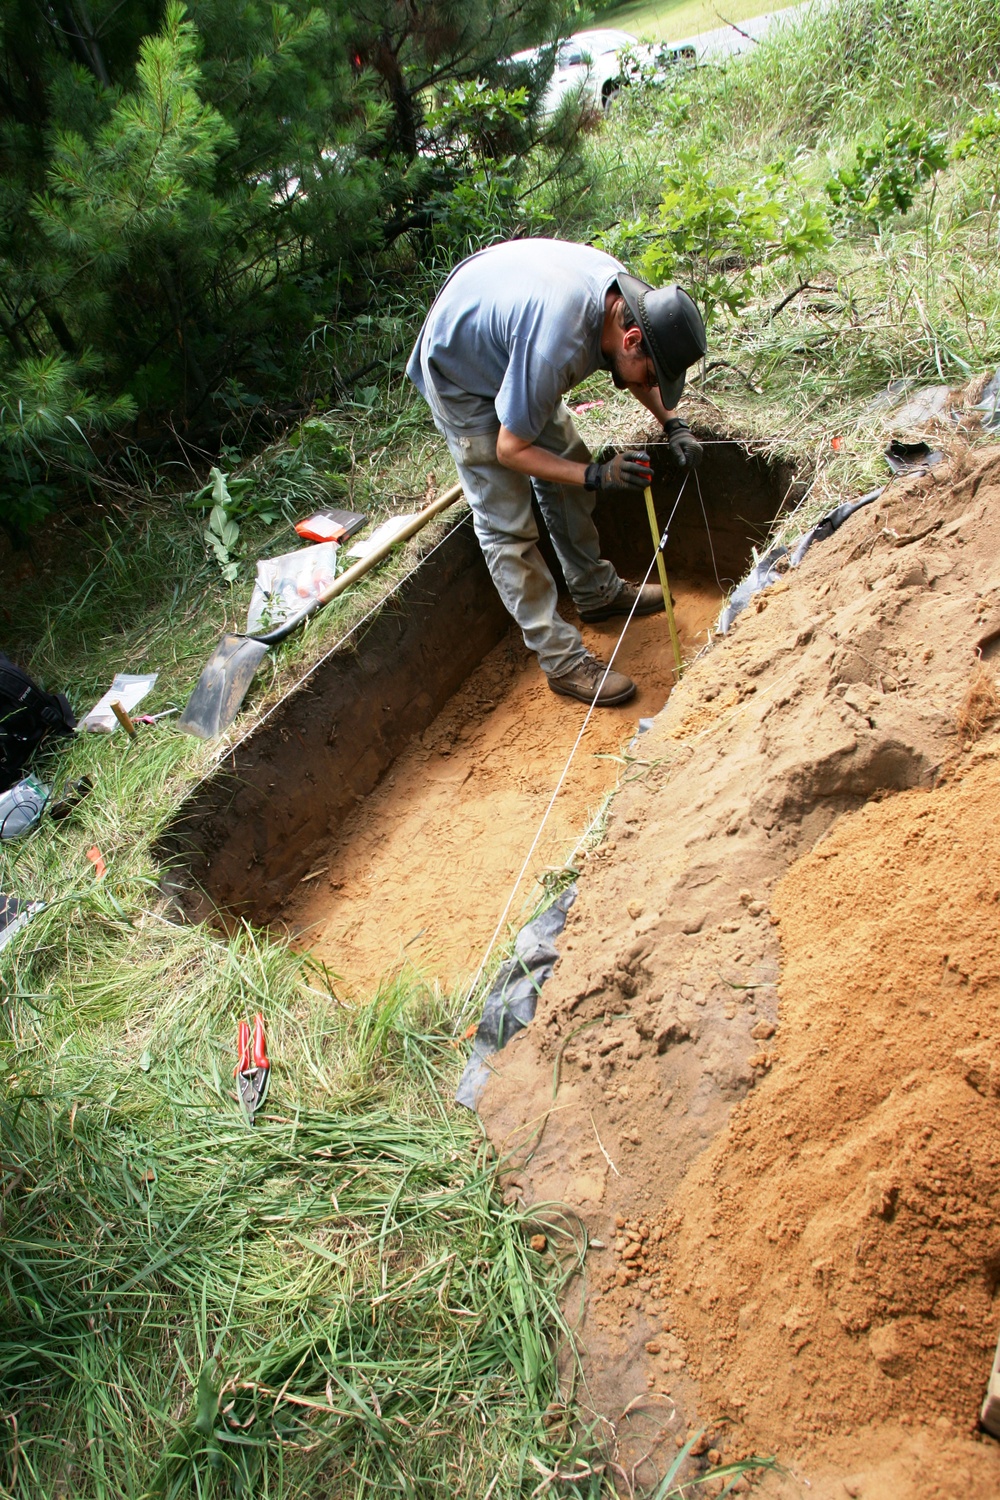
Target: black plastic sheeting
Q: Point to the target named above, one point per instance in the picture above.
(510, 1004)
(761, 576)
(767, 570)
(911, 458)
(831, 522)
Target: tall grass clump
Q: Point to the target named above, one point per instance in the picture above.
(837, 68)
(335, 1303)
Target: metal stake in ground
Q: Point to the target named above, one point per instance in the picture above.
(661, 569)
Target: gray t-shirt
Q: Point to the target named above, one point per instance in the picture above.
(511, 331)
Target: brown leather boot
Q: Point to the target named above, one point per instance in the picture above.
(650, 600)
(588, 682)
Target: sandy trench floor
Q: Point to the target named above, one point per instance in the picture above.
(420, 873)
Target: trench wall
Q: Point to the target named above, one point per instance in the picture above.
(250, 832)
(742, 492)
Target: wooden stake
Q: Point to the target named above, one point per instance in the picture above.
(661, 568)
(122, 715)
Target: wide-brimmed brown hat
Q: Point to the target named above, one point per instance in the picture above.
(672, 331)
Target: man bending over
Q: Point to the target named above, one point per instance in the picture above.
(511, 331)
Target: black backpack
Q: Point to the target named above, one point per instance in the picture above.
(27, 715)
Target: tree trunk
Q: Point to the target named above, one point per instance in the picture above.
(386, 65)
(77, 26)
(177, 313)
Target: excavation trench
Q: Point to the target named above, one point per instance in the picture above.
(382, 813)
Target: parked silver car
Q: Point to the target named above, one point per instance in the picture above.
(598, 63)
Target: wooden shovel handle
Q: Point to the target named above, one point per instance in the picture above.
(418, 522)
(121, 713)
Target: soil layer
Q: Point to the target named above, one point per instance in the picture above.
(772, 1028)
(419, 872)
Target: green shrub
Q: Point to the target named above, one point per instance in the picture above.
(888, 173)
(714, 236)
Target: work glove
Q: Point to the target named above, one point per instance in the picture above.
(685, 449)
(630, 470)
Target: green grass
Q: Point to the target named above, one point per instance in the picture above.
(340, 1302)
(672, 20)
(335, 1302)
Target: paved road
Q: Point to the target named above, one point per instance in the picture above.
(727, 41)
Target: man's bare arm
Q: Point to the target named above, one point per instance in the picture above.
(527, 458)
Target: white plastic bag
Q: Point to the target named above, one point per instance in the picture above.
(287, 585)
(386, 532)
(128, 690)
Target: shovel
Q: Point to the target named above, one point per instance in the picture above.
(230, 669)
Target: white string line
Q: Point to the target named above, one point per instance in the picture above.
(565, 771)
(585, 835)
(708, 533)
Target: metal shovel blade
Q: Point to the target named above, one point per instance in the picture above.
(222, 686)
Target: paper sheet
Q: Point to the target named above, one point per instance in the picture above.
(384, 533)
(128, 690)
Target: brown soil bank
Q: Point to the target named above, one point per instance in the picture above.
(790, 1155)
